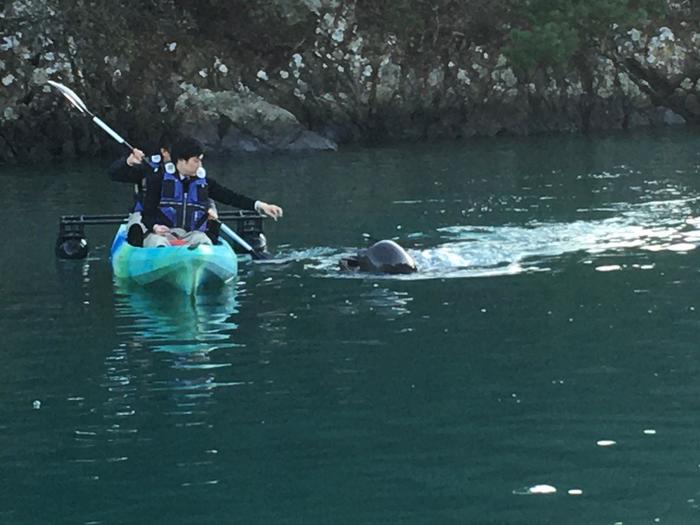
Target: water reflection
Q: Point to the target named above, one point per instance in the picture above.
(176, 323)
(183, 331)
(390, 304)
(163, 369)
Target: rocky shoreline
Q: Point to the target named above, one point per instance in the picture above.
(341, 83)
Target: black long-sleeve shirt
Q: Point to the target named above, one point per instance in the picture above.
(120, 171)
(217, 192)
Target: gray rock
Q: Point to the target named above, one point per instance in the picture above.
(228, 120)
(671, 118)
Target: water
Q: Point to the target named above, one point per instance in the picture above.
(548, 345)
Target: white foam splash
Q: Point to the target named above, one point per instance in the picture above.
(486, 251)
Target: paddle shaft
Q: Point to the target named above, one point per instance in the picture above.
(237, 238)
(233, 235)
(97, 120)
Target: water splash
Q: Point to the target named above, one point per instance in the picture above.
(480, 251)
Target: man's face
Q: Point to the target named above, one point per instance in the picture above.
(188, 167)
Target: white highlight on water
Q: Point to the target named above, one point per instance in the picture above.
(606, 443)
(542, 489)
(608, 268)
(535, 490)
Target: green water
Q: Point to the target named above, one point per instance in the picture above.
(557, 307)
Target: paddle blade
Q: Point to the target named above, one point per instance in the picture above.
(70, 95)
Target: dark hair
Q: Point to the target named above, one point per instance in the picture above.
(167, 139)
(186, 148)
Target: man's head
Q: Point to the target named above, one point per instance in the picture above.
(187, 155)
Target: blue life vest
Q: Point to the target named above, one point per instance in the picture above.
(182, 208)
(154, 162)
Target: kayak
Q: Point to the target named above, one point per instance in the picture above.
(183, 267)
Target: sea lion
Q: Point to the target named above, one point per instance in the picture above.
(382, 257)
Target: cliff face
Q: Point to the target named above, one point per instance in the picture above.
(314, 73)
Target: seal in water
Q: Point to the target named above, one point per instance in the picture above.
(382, 257)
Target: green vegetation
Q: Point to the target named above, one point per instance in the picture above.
(531, 32)
(435, 22)
(552, 32)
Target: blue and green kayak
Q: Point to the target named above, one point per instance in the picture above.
(183, 267)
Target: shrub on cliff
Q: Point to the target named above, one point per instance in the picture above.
(435, 22)
(271, 28)
(552, 32)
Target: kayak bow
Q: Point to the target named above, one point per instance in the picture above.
(183, 267)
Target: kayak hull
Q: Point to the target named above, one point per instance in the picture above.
(182, 267)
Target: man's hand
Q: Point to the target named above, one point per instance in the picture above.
(160, 229)
(212, 213)
(271, 210)
(136, 157)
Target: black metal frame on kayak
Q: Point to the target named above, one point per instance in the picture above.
(71, 242)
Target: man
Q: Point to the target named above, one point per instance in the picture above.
(134, 170)
(177, 200)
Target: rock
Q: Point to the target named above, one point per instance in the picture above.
(671, 118)
(228, 120)
(665, 56)
(308, 140)
(692, 104)
(328, 74)
(638, 120)
(388, 82)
